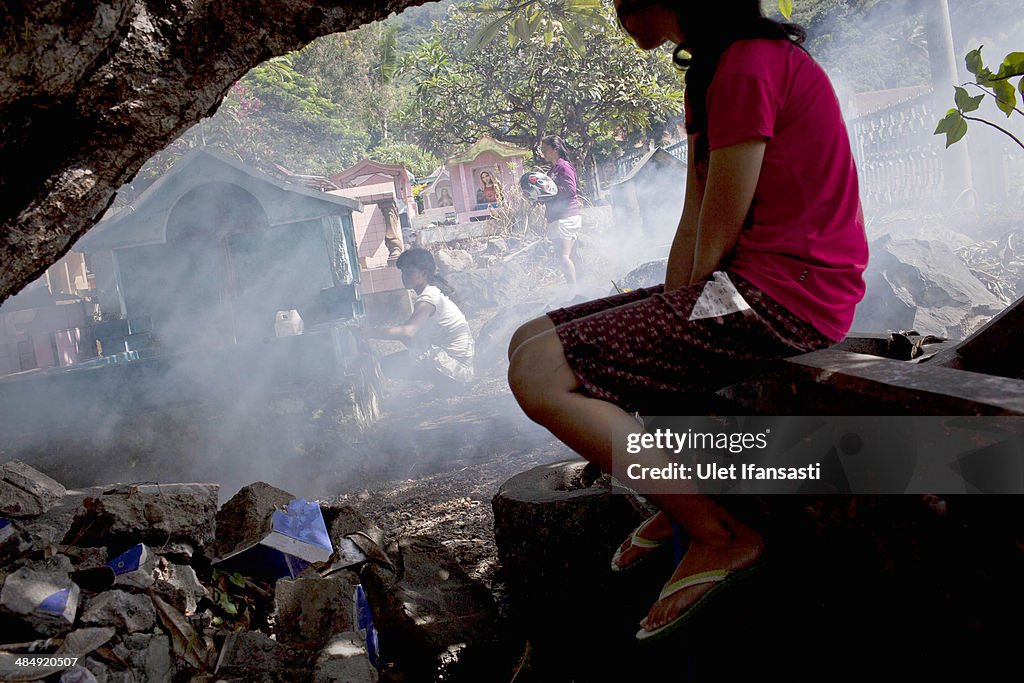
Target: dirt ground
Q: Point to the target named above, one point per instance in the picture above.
(443, 460)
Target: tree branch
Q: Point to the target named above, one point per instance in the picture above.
(990, 92)
(999, 128)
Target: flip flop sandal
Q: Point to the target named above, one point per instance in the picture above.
(638, 541)
(722, 578)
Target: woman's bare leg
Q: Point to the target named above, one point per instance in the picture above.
(548, 391)
(563, 252)
(527, 331)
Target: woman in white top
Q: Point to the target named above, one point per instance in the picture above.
(437, 334)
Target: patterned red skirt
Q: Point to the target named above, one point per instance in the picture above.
(644, 351)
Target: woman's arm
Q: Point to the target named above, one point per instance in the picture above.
(733, 172)
(680, 257)
(407, 330)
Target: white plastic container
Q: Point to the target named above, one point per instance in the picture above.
(288, 324)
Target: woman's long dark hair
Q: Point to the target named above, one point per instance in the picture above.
(558, 144)
(421, 259)
(721, 24)
(710, 28)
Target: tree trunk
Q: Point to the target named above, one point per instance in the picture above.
(90, 90)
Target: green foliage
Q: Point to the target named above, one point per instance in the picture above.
(230, 600)
(519, 90)
(997, 85)
(522, 20)
(419, 162)
(282, 89)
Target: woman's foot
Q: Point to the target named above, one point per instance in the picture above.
(649, 536)
(743, 552)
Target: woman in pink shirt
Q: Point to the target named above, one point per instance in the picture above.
(767, 262)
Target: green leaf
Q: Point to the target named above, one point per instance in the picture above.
(786, 7)
(521, 26)
(237, 579)
(1006, 96)
(973, 60)
(956, 130)
(946, 122)
(575, 36)
(488, 32)
(1012, 66)
(953, 125)
(966, 103)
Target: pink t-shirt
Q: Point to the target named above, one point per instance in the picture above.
(806, 247)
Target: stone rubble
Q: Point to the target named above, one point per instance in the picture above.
(149, 513)
(121, 577)
(26, 492)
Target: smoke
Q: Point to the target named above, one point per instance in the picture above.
(216, 396)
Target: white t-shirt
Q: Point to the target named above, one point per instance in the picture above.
(452, 332)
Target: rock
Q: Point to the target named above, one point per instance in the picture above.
(25, 491)
(555, 539)
(344, 660)
(499, 285)
(254, 656)
(150, 513)
(84, 641)
(343, 520)
(452, 260)
(179, 586)
(431, 611)
(149, 656)
(124, 611)
(178, 553)
(46, 599)
(98, 669)
(84, 557)
(922, 285)
(311, 609)
(13, 543)
(496, 245)
(243, 519)
(647, 274)
(53, 525)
